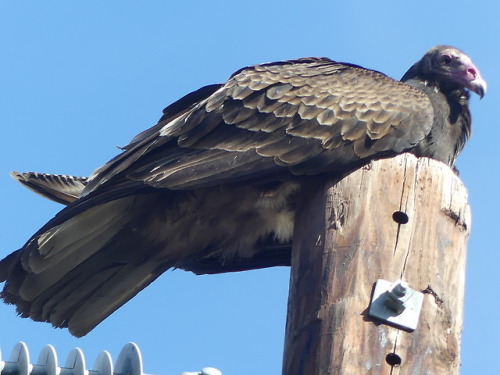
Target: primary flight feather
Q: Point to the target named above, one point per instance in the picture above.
(214, 185)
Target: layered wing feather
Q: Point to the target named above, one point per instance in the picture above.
(59, 188)
(304, 116)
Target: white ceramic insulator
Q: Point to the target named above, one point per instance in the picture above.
(129, 362)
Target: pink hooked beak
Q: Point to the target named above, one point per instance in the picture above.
(472, 80)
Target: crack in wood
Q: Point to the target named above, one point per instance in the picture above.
(394, 348)
(338, 215)
(439, 301)
(455, 217)
(403, 184)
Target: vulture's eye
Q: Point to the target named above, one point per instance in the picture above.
(446, 59)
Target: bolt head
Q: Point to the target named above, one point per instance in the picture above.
(400, 289)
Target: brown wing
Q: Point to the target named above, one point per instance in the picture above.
(306, 116)
(303, 117)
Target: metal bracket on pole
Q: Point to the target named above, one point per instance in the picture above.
(396, 304)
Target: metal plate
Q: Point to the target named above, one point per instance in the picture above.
(390, 306)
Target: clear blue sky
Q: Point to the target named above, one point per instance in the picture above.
(79, 78)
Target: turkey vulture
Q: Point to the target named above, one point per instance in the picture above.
(214, 185)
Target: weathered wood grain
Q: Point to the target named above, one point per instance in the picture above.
(346, 238)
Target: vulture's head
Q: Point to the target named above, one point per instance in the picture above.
(448, 67)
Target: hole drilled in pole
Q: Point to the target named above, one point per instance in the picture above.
(400, 217)
(393, 359)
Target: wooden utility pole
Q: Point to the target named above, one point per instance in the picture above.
(400, 218)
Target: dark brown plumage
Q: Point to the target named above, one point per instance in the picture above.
(213, 186)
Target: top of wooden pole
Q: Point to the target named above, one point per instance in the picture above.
(399, 218)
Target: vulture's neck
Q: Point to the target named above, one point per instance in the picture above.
(452, 120)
